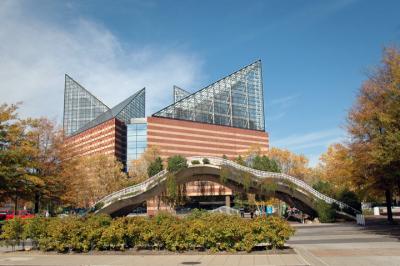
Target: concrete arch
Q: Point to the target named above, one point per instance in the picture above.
(290, 190)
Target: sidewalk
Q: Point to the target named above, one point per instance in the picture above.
(151, 260)
(347, 244)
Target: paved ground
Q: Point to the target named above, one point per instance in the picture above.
(153, 260)
(348, 244)
(328, 244)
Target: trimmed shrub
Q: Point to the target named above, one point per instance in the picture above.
(35, 229)
(194, 162)
(206, 161)
(199, 230)
(13, 232)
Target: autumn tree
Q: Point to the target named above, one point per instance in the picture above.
(374, 128)
(336, 167)
(290, 163)
(45, 161)
(138, 169)
(89, 178)
(14, 179)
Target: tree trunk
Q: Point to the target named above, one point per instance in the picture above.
(15, 204)
(37, 202)
(388, 195)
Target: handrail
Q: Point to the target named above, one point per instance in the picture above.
(161, 176)
(141, 187)
(264, 174)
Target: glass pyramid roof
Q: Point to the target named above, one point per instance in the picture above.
(132, 107)
(179, 94)
(235, 100)
(82, 110)
(80, 106)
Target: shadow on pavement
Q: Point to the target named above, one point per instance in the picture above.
(380, 226)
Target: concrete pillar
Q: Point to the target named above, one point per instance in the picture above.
(228, 201)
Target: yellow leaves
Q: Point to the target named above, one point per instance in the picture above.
(291, 163)
(138, 168)
(89, 178)
(37, 181)
(337, 166)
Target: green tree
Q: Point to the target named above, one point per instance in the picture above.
(264, 163)
(374, 128)
(324, 187)
(176, 163)
(155, 167)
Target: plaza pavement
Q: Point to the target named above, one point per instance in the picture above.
(348, 244)
(326, 244)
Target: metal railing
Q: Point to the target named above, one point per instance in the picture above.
(216, 161)
(133, 190)
(263, 174)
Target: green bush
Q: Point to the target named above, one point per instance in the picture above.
(195, 162)
(13, 232)
(326, 212)
(176, 163)
(206, 161)
(199, 230)
(35, 229)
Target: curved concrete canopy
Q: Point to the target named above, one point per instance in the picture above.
(290, 190)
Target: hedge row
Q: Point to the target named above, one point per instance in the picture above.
(216, 232)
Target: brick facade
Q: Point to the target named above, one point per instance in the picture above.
(192, 138)
(106, 138)
(199, 139)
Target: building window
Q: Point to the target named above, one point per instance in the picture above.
(136, 139)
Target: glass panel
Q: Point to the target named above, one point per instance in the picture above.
(225, 102)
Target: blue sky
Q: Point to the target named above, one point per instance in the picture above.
(315, 55)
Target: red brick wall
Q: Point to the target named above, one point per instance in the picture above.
(192, 138)
(106, 138)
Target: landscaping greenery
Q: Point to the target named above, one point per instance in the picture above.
(176, 163)
(198, 231)
(206, 161)
(155, 167)
(194, 162)
(326, 212)
(264, 163)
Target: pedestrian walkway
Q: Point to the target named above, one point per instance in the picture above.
(347, 244)
(152, 260)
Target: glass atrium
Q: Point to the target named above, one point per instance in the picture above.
(235, 100)
(80, 106)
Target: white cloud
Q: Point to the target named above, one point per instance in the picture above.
(302, 142)
(277, 108)
(284, 102)
(313, 144)
(35, 54)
